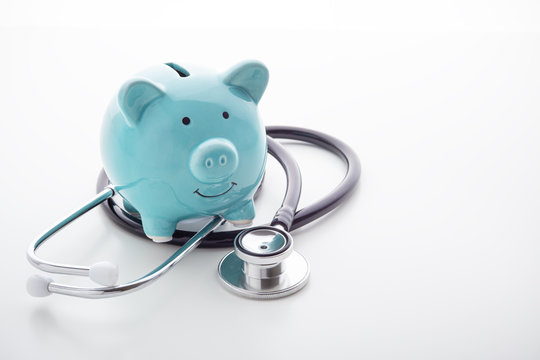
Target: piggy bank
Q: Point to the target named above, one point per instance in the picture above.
(181, 143)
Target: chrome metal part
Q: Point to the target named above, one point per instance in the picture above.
(51, 267)
(104, 292)
(263, 265)
(110, 291)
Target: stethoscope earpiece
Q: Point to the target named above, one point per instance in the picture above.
(104, 273)
(263, 264)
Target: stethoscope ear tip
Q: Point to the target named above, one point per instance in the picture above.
(104, 273)
(38, 285)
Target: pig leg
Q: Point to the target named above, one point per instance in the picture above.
(158, 229)
(241, 216)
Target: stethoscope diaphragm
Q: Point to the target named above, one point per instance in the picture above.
(263, 264)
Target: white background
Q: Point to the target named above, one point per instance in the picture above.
(436, 254)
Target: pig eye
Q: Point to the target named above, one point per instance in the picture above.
(225, 115)
(186, 120)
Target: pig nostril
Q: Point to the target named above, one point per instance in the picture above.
(209, 163)
(222, 160)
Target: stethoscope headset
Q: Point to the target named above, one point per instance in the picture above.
(263, 263)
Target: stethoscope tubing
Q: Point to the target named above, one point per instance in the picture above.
(342, 191)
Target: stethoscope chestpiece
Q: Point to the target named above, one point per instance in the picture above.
(263, 264)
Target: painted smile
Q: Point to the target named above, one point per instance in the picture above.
(213, 196)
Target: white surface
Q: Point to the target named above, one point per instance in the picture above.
(436, 255)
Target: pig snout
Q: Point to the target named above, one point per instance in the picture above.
(213, 160)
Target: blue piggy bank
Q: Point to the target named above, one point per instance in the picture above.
(180, 143)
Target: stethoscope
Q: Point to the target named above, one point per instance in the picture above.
(263, 263)
(167, 167)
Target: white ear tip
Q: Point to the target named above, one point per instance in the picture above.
(104, 273)
(38, 285)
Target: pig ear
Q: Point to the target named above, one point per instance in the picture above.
(250, 76)
(135, 95)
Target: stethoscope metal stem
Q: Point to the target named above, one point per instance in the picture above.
(107, 291)
(51, 267)
(104, 292)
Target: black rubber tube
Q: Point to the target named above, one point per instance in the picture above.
(338, 147)
(284, 215)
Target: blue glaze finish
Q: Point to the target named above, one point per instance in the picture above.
(182, 142)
